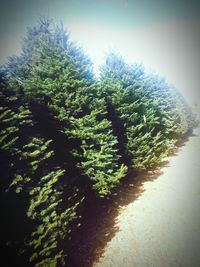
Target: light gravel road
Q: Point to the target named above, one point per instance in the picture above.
(161, 228)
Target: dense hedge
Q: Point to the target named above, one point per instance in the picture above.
(63, 132)
(149, 116)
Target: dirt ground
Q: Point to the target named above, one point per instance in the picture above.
(161, 227)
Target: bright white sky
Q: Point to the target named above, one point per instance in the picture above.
(163, 35)
(170, 49)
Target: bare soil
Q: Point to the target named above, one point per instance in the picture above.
(156, 219)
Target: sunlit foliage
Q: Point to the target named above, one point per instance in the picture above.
(63, 133)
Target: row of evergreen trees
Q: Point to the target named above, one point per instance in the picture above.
(63, 132)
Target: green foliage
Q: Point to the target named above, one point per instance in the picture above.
(154, 116)
(52, 222)
(32, 170)
(63, 133)
(60, 77)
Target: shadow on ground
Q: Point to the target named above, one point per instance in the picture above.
(99, 218)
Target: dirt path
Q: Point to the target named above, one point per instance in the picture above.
(162, 226)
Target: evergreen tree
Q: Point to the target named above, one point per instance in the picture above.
(30, 166)
(150, 111)
(52, 83)
(63, 134)
(60, 77)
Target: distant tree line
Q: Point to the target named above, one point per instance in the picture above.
(65, 133)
